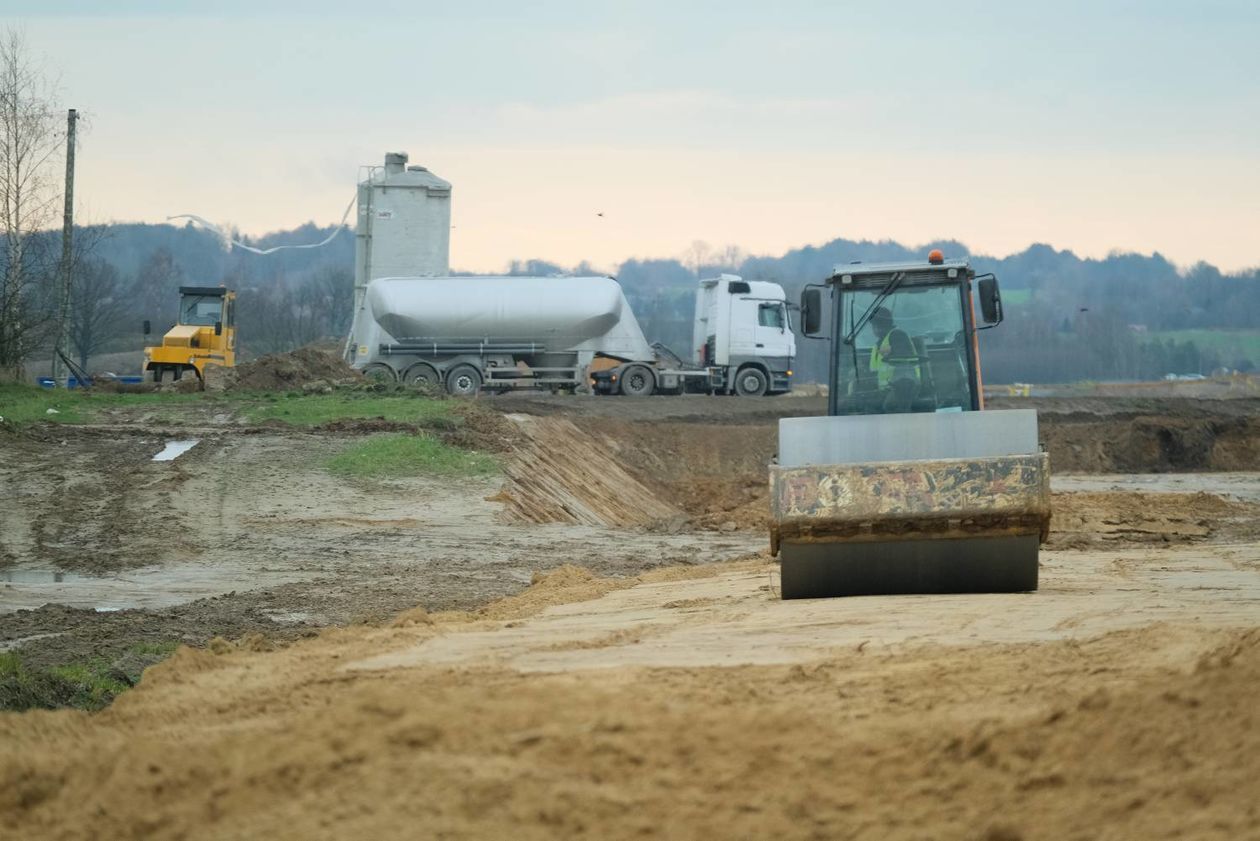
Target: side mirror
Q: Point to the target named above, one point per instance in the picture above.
(990, 301)
(147, 328)
(218, 328)
(811, 311)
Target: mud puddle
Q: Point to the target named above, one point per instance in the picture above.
(175, 449)
(143, 587)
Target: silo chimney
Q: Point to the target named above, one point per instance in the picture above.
(395, 162)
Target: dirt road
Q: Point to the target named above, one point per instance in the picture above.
(650, 682)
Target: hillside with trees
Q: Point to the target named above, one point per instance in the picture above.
(1127, 316)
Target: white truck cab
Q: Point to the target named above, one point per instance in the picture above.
(743, 333)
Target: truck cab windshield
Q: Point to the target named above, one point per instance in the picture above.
(910, 356)
(200, 310)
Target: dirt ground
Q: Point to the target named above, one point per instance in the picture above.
(593, 644)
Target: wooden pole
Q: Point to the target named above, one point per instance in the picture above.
(67, 257)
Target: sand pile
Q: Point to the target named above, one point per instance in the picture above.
(307, 367)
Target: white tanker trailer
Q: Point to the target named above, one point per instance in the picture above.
(498, 333)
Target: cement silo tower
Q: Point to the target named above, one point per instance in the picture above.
(404, 226)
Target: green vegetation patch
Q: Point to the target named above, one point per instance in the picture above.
(316, 409)
(21, 403)
(1231, 345)
(393, 456)
(26, 403)
(1016, 297)
(86, 685)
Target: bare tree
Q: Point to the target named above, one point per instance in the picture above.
(154, 292)
(731, 257)
(97, 310)
(697, 256)
(29, 143)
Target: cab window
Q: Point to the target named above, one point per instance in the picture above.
(771, 315)
(200, 310)
(923, 367)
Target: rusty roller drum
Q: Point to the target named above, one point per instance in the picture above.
(923, 503)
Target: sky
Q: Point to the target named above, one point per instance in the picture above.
(1091, 126)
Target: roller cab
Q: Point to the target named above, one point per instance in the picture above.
(907, 486)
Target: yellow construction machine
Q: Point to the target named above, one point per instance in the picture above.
(906, 486)
(204, 335)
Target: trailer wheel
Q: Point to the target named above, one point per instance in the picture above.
(637, 381)
(424, 376)
(751, 382)
(463, 381)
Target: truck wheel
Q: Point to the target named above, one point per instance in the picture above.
(463, 381)
(637, 381)
(751, 382)
(424, 376)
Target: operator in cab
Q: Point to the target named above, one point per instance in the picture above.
(894, 363)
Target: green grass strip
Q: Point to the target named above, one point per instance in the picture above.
(394, 456)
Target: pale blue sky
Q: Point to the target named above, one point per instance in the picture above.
(1091, 126)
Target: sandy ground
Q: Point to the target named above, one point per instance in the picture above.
(649, 682)
(692, 705)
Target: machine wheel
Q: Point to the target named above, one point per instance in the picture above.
(637, 381)
(380, 372)
(159, 373)
(463, 381)
(751, 382)
(424, 376)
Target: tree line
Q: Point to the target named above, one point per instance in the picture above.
(1067, 318)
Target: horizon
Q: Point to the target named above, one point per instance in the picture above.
(969, 252)
(1128, 128)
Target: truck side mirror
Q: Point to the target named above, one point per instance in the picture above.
(218, 328)
(146, 327)
(990, 300)
(811, 311)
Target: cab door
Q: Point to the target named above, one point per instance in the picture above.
(773, 335)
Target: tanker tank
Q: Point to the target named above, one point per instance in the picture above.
(564, 313)
(419, 329)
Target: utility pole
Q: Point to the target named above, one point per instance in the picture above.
(67, 259)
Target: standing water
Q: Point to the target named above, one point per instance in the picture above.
(175, 449)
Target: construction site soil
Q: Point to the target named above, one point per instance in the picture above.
(591, 642)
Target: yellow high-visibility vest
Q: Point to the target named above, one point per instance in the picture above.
(884, 367)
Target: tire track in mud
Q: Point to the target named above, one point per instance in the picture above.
(86, 503)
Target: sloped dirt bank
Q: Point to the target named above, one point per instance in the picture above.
(1151, 444)
(655, 475)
